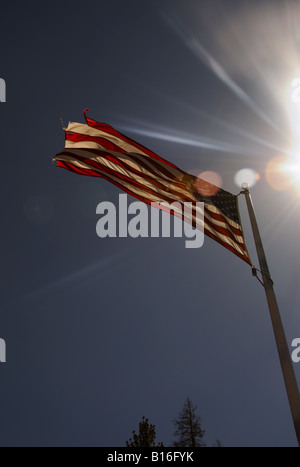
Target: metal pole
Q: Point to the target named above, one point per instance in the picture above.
(282, 346)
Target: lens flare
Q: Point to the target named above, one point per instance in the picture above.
(277, 174)
(292, 168)
(248, 176)
(295, 90)
(208, 183)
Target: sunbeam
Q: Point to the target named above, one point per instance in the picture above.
(202, 116)
(166, 134)
(80, 277)
(194, 45)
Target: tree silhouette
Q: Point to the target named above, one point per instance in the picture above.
(217, 444)
(146, 436)
(188, 427)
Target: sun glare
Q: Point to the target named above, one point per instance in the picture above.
(293, 170)
(284, 171)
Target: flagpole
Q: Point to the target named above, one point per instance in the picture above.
(282, 346)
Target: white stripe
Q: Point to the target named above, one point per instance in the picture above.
(239, 238)
(227, 240)
(84, 129)
(83, 145)
(92, 145)
(214, 209)
(127, 173)
(158, 176)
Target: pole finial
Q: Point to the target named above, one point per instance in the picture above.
(84, 113)
(62, 123)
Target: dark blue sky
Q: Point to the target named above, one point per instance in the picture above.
(100, 332)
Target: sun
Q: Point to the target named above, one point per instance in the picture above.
(289, 166)
(292, 168)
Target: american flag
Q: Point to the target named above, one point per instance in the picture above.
(98, 150)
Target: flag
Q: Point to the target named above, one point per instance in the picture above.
(98, 150)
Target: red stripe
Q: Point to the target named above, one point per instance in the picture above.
(78, 138)
(164, 170)
(219, 217)
(81, 171)
(126, 166)
(223, 231)
(99, 166)
(109, 145)
(110, 130)
(78, 170)
(139, 160)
